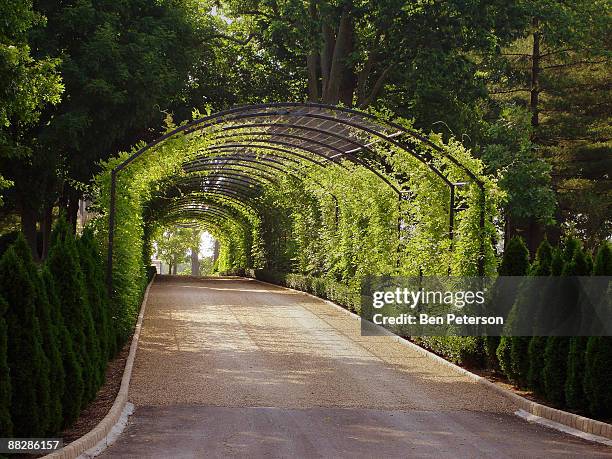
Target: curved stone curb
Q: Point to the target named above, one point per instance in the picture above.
(105, 433)
(599, 432)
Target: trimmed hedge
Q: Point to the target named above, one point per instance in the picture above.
(459, 349)
(53, 348)
(328, 289)
(29, 367)
(49, 334)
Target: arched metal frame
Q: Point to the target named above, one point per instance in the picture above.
(320, 130)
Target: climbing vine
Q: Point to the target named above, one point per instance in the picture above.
(336, 221)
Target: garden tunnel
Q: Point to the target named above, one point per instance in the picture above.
(224, 163)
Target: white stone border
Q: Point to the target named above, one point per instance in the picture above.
(571, 423)
(109, 428)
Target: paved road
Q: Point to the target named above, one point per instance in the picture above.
(237, 368)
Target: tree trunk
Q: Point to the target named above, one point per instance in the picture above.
(195, 262)
(534, 84)
(28, 227)
(46, 224)
(327, 53)
(174, 266)
(73, 209)
(216, 249)
(341, 83)
(312, 60)
(313, 77)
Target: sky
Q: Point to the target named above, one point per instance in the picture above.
(207, 243)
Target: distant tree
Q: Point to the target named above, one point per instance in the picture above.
(559, 70)
(27, 85)
(173, 245)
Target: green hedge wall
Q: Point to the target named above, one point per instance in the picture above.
(57, 334)
(328, 289)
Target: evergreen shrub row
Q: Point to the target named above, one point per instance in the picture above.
(56, 333)
(569, 371)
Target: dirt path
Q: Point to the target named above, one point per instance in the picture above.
(238, 368)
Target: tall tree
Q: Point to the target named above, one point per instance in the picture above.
(559, 70)
(123, 64)
(27, 85)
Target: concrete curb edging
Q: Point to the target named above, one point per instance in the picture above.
(104, 434)
(598, 431)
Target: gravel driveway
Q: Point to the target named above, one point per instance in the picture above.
(237, 368)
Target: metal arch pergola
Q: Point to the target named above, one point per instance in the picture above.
(292, 134)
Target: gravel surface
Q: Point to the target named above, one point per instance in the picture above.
(243, 343)
(238, 368)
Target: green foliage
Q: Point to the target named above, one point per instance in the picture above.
(26, 358)
(504, 358)
(27, 84)
(598, 374)
(515, 261)
(602, 265)
(63, 263)
(537, 344)
(322, 287)
(512, 350)
(574, 390)
(6, 425)
(71, 391)
(535, 375)
(554, 372)
(462, 350)
(525, 177)
(519, 359)
(50, 339)
(557, 263)
(172, 246)
(91, 265)
(543, 260)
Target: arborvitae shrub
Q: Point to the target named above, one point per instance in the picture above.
(543, 260)
(535, 350)
(602, 265)
(504, 358)
(6, 425)
(519, 359)
(598, 375)
(570, 246)
(574, 389)
(72, 391)
(97, 296)
(557, 263)
(50, 339)
(516, 258)
(565, 314)
(63, 262)
(537, 346)
(555, 368)
(25, 355)
(598, 355)
(514, 263)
